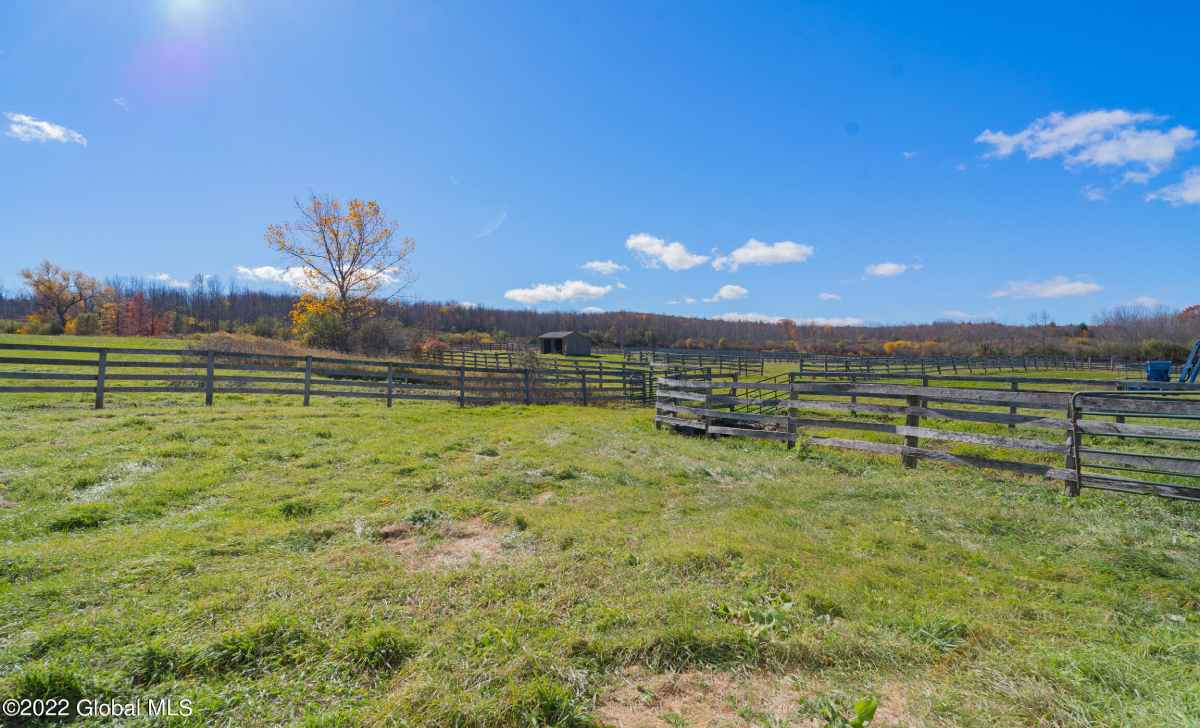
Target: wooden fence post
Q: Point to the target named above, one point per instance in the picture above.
(462, 386)
(528, 399)
(101, 365)
(583, 386)
(208, 382)
(1013, 409)
(391, 380)
(791, 411)
(307, 378)
(912, 420)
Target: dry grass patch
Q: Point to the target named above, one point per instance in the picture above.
(699, 699)
(449, 545)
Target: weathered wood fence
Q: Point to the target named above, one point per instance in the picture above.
(105, 372)
(1054, 448)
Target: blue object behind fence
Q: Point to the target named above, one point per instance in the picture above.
(1158, 371)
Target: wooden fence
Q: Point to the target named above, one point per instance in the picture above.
(747, 361)
(1056, 424)
(105, 372)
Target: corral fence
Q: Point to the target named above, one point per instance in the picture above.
(105, 372)
(1064, 436)
(746, 361)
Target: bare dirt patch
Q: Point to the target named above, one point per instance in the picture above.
(727, 700)
(449, 545)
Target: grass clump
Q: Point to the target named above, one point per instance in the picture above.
(423, 516)
(381, 650)
(298, 508)
(51, 682)
(274, 641)
(81, 516)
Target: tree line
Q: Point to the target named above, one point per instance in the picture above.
(133, 306)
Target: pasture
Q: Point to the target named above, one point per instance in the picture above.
(424, 565)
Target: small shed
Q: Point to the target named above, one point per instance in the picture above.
(571, 343)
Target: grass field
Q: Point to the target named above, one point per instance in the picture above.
(346, 564)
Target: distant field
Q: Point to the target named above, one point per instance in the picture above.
(347, 564)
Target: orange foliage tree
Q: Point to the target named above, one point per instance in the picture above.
(348, 258)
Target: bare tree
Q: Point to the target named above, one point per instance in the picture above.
(351, 256)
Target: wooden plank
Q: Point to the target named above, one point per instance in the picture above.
(679, 422)
(45, 390)
(663, 394)
(156, 377)
(1139, 406)
(1165, 464)
(49, 362)
(723, 414)
(935, 434)
(684, 383)
(91, 349)
(884, 448)
(67, 377)
(756, 434)
(1143, 487)
(1096, 427)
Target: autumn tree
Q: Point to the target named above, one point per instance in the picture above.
(349, 256)
(59, 294)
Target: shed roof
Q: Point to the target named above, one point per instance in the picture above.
(556, 334)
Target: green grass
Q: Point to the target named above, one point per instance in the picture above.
(234, 555)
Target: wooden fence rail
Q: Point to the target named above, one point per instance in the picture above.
(788, 410)
(105, 372)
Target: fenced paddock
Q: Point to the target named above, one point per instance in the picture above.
(102, 373)
(1085, 439)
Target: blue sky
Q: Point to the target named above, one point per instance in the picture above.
(908, 161)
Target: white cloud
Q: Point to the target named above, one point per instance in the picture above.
(1102, 138)
(1092, 193)
(120, 101)
(961, 167)
(756, 252)
(603, 267)
(728, 292)
(763, 318)
(466, 304)
(1184, 192)
(293, 276)
(677, 301)
(591, 309)
(299, 277)
(959, 315)
(890, 270)
(826, 296)
(556, 292)
(28, 129)
(653, 252)
(1147, 302)
(1056, 287)
(172, 282)
(831, 321)
(621, 285)
(758, 318)
(492, 225)
(909, 155)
